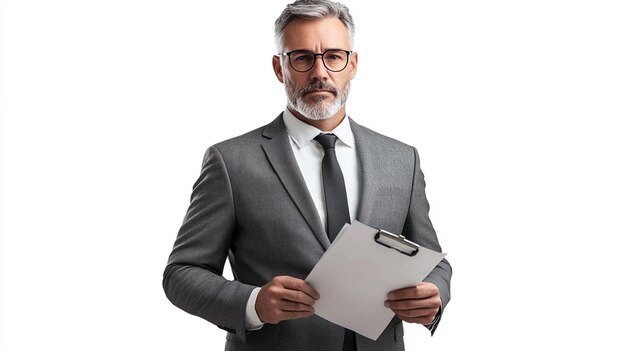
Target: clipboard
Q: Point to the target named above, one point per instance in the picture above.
(359, 269)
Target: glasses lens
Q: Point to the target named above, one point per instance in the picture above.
(335, 60)
(302, 60)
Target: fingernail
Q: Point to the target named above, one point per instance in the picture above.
(387, 304)
(391, 296)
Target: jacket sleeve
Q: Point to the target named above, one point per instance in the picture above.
(419, 228)
(193, 278)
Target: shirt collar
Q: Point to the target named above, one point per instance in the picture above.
(302, 133)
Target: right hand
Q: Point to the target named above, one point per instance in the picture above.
(285, 297)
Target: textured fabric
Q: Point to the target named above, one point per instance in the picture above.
(251, 205)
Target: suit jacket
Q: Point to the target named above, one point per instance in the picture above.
(251, 204)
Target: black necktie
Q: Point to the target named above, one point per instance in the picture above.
(337, 211)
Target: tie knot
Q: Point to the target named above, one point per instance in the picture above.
(326, 140)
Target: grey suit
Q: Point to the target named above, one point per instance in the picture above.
(252, 204)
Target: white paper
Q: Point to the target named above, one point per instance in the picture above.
(355, 275)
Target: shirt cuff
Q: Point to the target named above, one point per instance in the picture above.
(253, 322)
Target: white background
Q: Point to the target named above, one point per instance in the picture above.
(516, 107)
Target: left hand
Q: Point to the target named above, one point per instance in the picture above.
(417, 304)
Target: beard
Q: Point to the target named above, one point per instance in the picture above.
(322, 107)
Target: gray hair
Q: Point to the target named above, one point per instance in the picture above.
(312, 10)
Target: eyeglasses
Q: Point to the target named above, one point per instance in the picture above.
(335, 60)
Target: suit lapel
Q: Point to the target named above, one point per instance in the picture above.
(369, 177)
(276, 146)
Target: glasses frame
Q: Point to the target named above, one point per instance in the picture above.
(315, 55)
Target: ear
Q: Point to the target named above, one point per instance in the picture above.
(354, 62)
(278, 71)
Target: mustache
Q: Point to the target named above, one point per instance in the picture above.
(318, 85)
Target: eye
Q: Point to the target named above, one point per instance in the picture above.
(335, 56)
(301, 56)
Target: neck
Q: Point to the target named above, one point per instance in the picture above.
(325, 125)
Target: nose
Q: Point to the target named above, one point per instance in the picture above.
(318, 71)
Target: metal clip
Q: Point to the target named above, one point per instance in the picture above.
(397, 242)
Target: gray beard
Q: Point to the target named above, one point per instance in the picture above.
(321, 108)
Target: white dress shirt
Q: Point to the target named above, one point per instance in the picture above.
(309, 154)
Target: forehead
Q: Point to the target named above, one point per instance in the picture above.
(316, 35)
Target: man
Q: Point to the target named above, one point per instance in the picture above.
(263, 199)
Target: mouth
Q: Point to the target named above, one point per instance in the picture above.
(319, 91)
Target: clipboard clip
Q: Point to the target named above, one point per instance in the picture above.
(397, 242)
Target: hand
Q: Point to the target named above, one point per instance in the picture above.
(285, 298)
(417, 304)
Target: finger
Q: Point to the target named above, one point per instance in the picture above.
(420, 291)
(299, 285)
(290, 306)
(409, 304)
(285, 315)
(416, 313)
(297, 296)
(420, 320)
